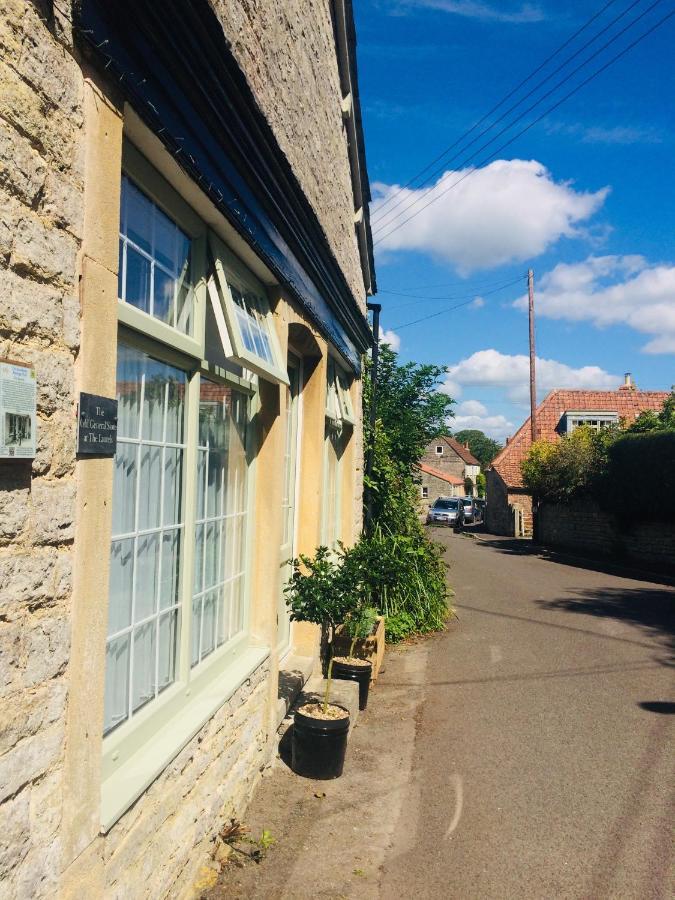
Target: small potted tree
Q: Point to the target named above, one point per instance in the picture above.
(358, 626)
(319, 591)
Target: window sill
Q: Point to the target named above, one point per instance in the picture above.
(126, 785)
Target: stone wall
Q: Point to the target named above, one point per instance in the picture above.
(286, 48)
(585, 528)
(41, 183)
(501, 504)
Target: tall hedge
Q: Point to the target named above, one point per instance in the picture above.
(640, 476)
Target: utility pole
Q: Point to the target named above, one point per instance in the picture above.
(376, 309)
(533, 381)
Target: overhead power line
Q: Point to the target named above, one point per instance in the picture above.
(382, 222)
(534, 122)
(469, 300)
(506, 97)
(470, 158)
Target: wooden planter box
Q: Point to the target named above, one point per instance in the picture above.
(372, 648)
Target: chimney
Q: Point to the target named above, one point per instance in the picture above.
(508, 439)
(628, 383)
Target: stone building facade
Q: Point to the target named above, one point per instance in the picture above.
(443, 470)
(186, 232)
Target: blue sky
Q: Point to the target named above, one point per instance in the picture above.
(585, 197)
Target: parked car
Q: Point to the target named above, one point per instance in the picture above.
(469, 509)
(446, 511)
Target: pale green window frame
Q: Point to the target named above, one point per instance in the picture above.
(135, 752)
(228, 275)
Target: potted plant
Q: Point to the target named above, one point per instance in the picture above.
(359, 626)
(319, 592)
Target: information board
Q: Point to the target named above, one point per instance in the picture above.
(18, 420)
(97, 426)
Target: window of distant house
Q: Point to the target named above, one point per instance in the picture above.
(425, 493)
(439, 450)
(337, 432)
(595, 420)
(178, 601)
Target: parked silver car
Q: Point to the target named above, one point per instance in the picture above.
(446, 511)
(469, 509)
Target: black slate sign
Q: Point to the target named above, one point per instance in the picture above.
(97, 426)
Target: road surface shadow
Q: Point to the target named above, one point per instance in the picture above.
(663, 707)
(614, 566)
(650, 609)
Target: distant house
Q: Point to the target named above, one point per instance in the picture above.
(509, 507)
(443, 469)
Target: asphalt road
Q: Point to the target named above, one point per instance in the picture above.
(543, 756)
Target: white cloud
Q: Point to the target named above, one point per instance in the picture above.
(611, 290)
(508, 210)
(497, 427)
(478, 303)
(490, 368)
(390, 337)
(476, 9)
(600, 134)
(471, 408)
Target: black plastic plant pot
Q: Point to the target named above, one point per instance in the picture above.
(319, 746)
(360, 674)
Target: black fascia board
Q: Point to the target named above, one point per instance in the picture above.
(358, 122)
(175, 67)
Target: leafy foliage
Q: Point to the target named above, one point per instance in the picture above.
(484, 448)
(320, 589)
(402, 572)
(557, 472)
(651, 421)
(481, 484)
(410, 408)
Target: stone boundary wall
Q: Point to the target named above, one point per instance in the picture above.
(586, 528)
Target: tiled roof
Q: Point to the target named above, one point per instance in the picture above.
(627, 403)
(461, 451)
(444, 476)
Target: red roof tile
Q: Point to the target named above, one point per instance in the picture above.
(444, 476)
(627, 403)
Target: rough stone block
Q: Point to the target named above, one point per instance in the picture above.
(29, 759)
(45, 648)
(52, 511)
(14, 500)
(22, 170)
(55, 445)
(25, 714)
(29, 581)
(54, 377)
(63, 202)
(46, 253)
(51, 70)
(30, 310)
(15, 839)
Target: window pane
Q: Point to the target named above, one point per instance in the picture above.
(168, 636)
(164, 288)
(137, 216)
(196, 629)
(116, 703)
(168, 591)
(219, 543)
(143, 688)
(121, 582)
(147, 563)
(147, 506)
(157, 255)
(137, 285)
(149, 487)
(124, 488)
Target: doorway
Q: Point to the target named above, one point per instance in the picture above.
(289, 496)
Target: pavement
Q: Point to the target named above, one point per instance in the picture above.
(526, 752)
